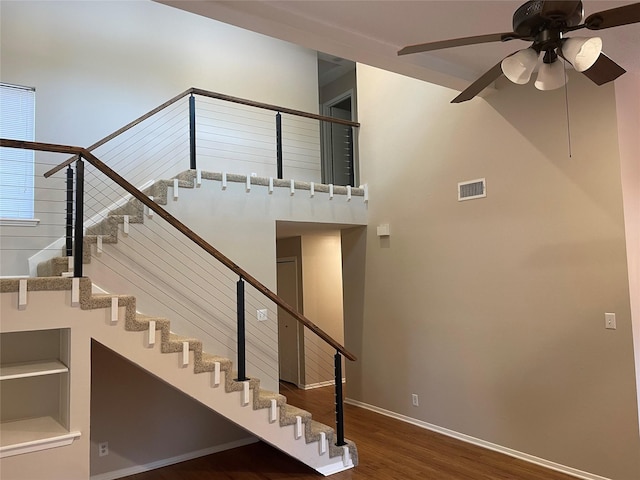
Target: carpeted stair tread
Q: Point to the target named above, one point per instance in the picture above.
(288, 414)
(175, 344)
(263, 399)
(53, 267)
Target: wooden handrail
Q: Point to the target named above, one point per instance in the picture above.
(274, 108)
(204, 93)
(194, 237)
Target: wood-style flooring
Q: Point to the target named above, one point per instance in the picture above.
(388, 449)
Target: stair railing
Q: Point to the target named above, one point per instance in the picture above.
(191, 93)
(81, 154)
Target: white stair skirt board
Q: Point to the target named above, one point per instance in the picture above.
(270, 185)
(198, 177)
(479, 442)
(298, 430)
(125, 472)
(245, 393)
(75, 292)
(323, 443)
(224, 180)
(99, 244)
(348, 193)
(248, 186)
(216, 374)
(114, 310)
(185, 354)
(70, 264)
(312, 189)
(175, 189)
(331, 191)
(151, 341)
(125, 225)
(22, 294)
(273, 411)
(366, 193)
(292, 189)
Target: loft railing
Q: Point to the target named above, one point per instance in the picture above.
(209, 129)
(81, 154)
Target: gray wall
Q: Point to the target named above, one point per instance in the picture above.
(140, 429)
(492, 310)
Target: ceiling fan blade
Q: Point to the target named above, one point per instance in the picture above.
(480, 84)
(604, 70)
(459, 42)
(614, 17)
(562, 9)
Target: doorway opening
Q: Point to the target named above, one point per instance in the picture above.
(337, 98)
(309, 277)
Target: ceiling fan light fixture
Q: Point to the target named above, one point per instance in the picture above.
(519, 66)
(582, 52)
(550, 76)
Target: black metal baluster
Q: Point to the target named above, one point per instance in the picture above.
(242, 369)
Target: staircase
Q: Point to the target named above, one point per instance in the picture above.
(264, 413)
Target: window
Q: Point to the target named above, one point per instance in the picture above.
(17, 112)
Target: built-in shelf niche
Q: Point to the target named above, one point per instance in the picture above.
(34, 398)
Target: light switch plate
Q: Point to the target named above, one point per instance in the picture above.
(610, 321)
(262, 315)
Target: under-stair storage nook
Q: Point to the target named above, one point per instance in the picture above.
(34, 395)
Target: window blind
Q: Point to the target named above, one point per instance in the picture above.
(17, 112)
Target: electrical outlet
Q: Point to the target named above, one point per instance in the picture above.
(414, 400)
(262, 315)
(103, 449)
(610, 321)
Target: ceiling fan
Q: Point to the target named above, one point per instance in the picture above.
(544, 23)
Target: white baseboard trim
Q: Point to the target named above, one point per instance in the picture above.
(574, 472)
(125, 472)
(311, 386)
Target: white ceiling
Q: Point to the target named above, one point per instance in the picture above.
(372, 31)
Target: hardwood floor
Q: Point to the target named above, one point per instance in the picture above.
(388, 449)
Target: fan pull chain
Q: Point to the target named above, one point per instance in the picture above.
(566, 101)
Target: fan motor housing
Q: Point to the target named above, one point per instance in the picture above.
(528, 21)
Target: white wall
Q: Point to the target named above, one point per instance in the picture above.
(97, 65)
(492, 310)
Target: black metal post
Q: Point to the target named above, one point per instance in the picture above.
(79, 226)
(69, 220)
(242, 369)
(339, 402)
(192, 132)
(279, 143)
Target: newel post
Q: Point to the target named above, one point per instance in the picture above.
(79, 227)
(339, 402)
(192, 132)
(279, 144)
(69, 212)
(242, 356)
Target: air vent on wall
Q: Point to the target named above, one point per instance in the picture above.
(472, 189)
